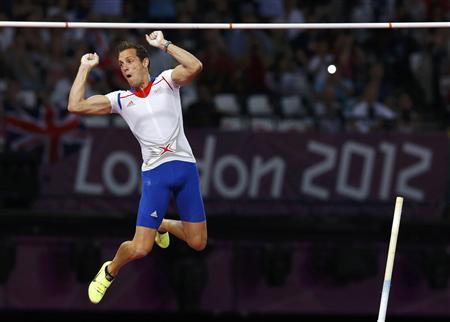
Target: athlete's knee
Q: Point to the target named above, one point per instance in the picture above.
(138, 250)
(164, 225)
(197, 242)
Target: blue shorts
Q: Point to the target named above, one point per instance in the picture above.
(177, 178)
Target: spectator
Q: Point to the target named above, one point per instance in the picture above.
(202, 113)
(281, 62)
(328, 114)
(407, 119)
(370, 114)
(162, 10)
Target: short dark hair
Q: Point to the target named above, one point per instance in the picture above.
(141, 52)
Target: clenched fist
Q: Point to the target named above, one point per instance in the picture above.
(90, 60)
(156, 39)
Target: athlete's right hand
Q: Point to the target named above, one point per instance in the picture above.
(90, 60)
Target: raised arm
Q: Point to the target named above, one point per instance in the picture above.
(94, 105)
(189, 66)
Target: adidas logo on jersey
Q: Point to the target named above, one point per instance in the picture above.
(154, 214)
(131, 103)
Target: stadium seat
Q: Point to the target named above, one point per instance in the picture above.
(291, 106)
(259, 105)
(227, 104)
(119, 122)
(233, 123)
(294, 125)
(96, 121)
(263, 124)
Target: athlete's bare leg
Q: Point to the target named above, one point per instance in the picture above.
(128, 251)
(194, 234)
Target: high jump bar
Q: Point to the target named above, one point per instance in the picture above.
(230, 25)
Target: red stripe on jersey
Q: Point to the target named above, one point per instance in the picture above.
(126, 96)
(167, 82)
(143, 93)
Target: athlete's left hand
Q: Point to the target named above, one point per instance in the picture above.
(155, 39)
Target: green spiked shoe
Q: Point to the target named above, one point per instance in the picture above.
(99, 285)
(162, 239)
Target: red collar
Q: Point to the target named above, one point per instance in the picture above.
(144, 92)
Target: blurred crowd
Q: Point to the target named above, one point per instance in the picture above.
(252, 79)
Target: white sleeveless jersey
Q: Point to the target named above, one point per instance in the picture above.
(155, 118)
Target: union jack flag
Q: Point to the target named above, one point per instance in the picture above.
(50, 131)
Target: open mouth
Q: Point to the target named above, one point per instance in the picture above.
(128, 75)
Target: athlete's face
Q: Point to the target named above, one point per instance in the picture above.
(133, 69)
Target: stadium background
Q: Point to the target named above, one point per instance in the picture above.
(300, 168)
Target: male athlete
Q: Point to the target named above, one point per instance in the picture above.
(153, 112)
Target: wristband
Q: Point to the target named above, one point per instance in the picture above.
(166, 44)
